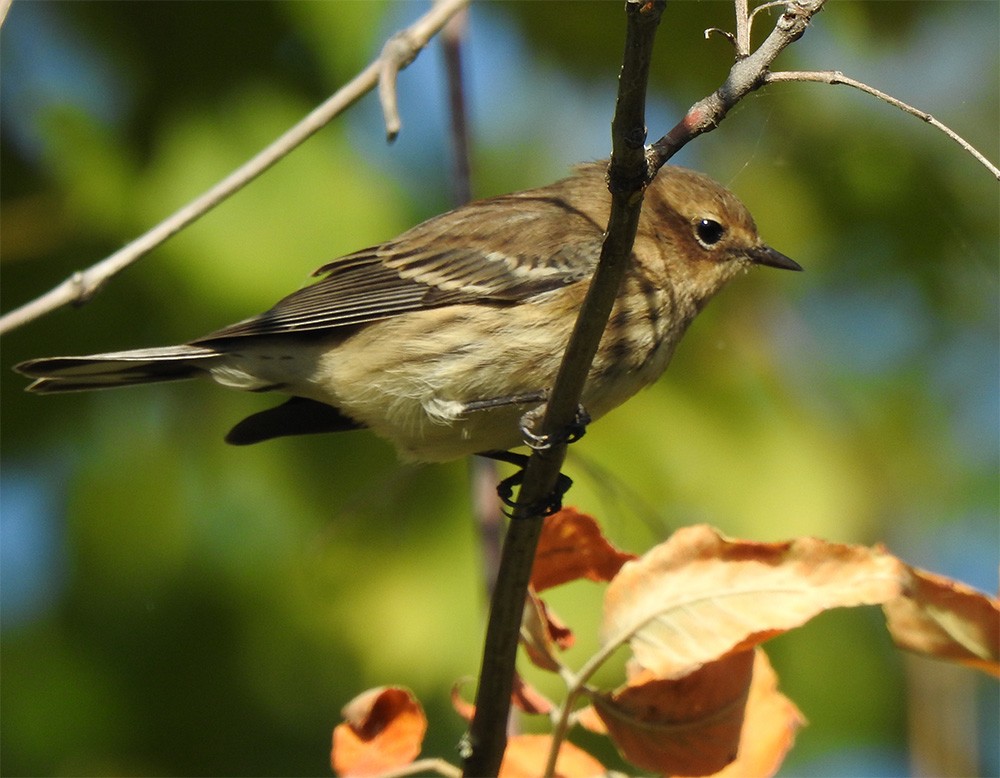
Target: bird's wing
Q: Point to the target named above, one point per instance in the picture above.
(501, 250)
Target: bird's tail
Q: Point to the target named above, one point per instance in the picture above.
(120, 368)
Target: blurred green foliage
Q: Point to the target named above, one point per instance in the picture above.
(175, 606)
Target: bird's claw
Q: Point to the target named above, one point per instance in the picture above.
(548, 505)
(551, 503)
(575, 430)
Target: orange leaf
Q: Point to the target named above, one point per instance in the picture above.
(524, 696)
(526, 756)
(727, 719)
(571, 546)
(769, 726)
(948, 620)
(463, 708)
(589, 719)
(383, 729)
(542, 632)
(528, 699)
(687, 726)
(700, 595)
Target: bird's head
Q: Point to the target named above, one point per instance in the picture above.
(705, 234)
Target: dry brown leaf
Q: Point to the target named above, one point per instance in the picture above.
(589, 719)
(524, 696)
(947, 620)
(700, 595)
(572, 546)
(528, 699)
(383, 728)
(697, 725)
(526, 756)
(462, 707)
(542, 632)
(685, 726)
(770, 724)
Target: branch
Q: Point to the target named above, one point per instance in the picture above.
(398, 52)
(423, 767)
(748, 73)
(482, 472)
(743, 23)
(632, 168)
(627, 177)
(452, 40)
(836, 77)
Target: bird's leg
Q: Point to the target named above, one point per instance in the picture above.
(501, 402)
(573, 432)
(505, 489)
(570, 434)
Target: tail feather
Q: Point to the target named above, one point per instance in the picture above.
(114, 369)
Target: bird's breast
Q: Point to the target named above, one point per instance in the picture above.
(443, 383)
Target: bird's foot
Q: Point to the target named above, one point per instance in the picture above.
(575, 430)
(551, 503)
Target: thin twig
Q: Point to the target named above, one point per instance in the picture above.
(391, 62)
(487, 734)
(482, 472)
(452, 38)
(836, 77)
(84, 284)
(746, 75)
(764, 7)
(742, 41)
(422, 767)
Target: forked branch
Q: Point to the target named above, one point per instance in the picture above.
(752, 71)
(749, 72)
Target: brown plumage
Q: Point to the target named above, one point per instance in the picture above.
(439, 339)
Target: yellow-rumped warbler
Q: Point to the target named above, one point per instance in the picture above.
(440, 339)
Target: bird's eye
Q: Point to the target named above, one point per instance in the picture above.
(709, 232)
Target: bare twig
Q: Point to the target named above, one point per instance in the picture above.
(487, 734)
(764, 7)
(724, 33)
(742, 40)
(753, 71)
(397, 53)
(84, 284)
(836, 77)
(452, 37)
(482, 472)
(392, 60)
(422, 767)
(747, 74)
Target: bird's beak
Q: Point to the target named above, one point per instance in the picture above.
(765, 255)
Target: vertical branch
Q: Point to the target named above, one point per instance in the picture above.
(742, 41)
(482, 472)
(452, 37)
(627, 178)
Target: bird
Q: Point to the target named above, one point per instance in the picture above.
(440, 339)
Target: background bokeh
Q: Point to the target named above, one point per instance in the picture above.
(174, 606)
